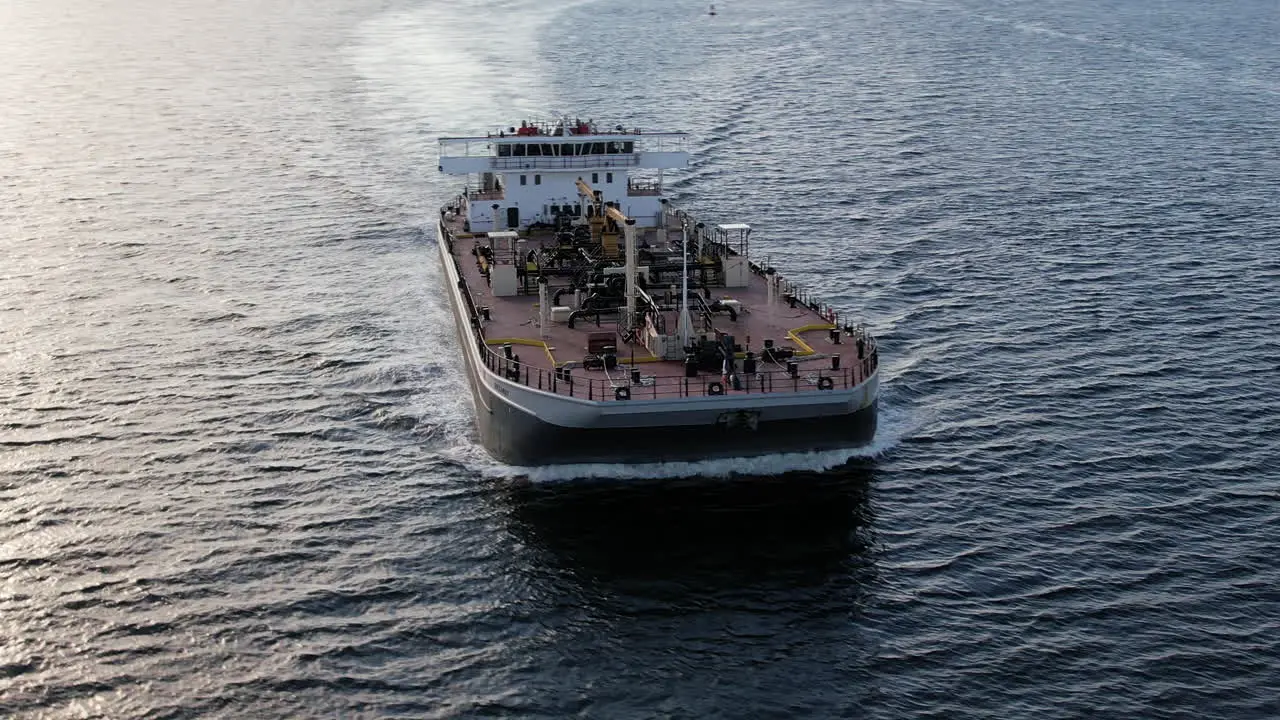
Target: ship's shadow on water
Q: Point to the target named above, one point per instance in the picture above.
(700, 534)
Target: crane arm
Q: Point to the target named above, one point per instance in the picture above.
(585, 190)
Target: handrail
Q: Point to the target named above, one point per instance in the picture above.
(787, 290)
(563, 381)
(536, 162)
(560, 379)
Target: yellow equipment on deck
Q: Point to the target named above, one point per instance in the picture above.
(606, 221)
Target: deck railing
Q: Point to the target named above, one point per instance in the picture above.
(534, 162)
(622, 383)
(791, 293)
(638, 188)
(630, 382)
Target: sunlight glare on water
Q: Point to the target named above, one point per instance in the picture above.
(238, 467)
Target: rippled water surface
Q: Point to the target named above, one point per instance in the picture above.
(237, 468)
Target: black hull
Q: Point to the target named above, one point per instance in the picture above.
(518, 438)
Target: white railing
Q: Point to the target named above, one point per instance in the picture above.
(558, 163)
(637, 188)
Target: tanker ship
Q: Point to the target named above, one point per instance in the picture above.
(601, 323)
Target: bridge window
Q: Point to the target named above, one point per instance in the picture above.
(518, 150)
(504, 151)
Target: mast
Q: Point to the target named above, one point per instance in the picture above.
(629, 231)
(544, 306)
(686, 325)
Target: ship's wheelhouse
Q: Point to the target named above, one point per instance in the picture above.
(532, 175)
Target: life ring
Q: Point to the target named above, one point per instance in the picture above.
(825, 383)
(715, 388)
(622, 393)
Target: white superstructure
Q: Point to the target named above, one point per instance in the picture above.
(528, 175)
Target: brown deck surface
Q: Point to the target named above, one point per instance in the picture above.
(515, 319)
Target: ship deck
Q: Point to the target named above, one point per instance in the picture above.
(551, 357)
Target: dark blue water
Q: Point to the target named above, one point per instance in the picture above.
(237, 468)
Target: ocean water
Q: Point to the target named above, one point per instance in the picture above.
(238, 476)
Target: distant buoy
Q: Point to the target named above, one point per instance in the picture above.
(712, 11)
